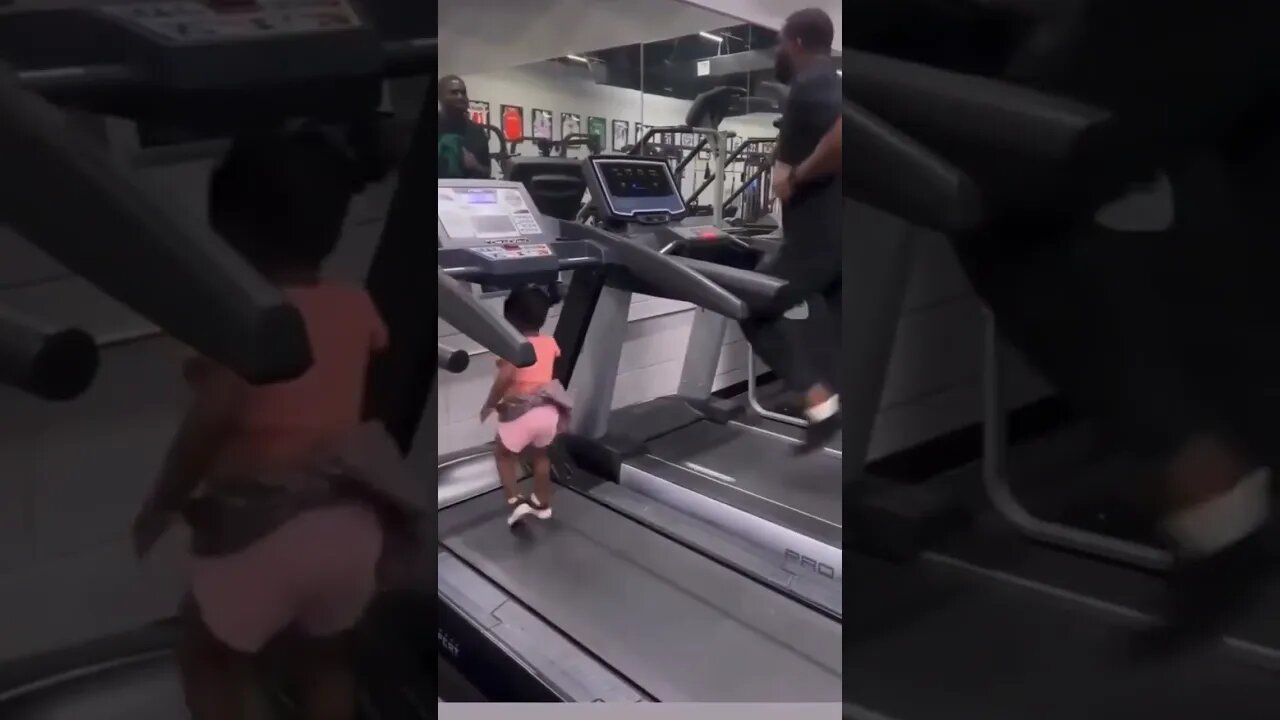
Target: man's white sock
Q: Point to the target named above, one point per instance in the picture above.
(1225, 520)
(823, 410)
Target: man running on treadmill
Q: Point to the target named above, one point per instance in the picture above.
(806, 179)
(462, 146)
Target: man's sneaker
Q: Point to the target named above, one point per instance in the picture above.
(1205, 595)
(818, 434)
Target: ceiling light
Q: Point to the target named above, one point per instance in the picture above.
(712, 38)
(579, 58)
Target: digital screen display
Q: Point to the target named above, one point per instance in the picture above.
(482, 197)
(493, 225)
(636, 180)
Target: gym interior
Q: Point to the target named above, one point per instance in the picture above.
(1039, 562)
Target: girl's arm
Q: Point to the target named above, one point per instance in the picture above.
(501, 384)
(194, 447)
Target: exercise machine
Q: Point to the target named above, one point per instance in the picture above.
(196, 65)
(988, 588)
(602, 604)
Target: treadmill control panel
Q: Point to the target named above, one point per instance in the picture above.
(634, 189)
(491, 234)
(208, 21)
(476, 213)
(513, 252)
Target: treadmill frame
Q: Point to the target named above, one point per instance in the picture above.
(998, 484)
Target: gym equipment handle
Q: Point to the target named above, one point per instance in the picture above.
(49, 363)
(662, 275)
(886, 169)
(451, 360)
(756, 289)
(1022, 147)
(62, 192)
(458, 307)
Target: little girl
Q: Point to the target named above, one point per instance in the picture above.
(532, 407)
(298, 496)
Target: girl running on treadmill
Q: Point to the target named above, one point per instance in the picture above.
(531, 405)
(294, 503)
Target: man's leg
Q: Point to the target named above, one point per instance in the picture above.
(785, 344)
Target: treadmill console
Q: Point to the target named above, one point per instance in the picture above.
(634, 189)
(490, 229)
(198, 21)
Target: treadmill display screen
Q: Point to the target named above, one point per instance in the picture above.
(637, 181)
(482, 197)
(635, 187)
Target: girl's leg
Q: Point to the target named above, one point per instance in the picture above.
(508, 471)
(327, 678)
(218, 682)
(542, 481)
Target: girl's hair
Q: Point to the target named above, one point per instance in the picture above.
(526, 309)
(281, 198)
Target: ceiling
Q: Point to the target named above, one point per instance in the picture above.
(668, 67)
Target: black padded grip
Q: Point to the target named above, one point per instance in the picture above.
(62, 193)
(49, 363)
(451, 360)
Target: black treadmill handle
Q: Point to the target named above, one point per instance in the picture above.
(158, 262)
(458, 307)
(944, 109)
(451, 360)
(412, 57)
(886, 169)
(756, 289)
(666, 276)
(48, 362)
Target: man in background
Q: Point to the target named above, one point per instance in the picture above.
(462, 146)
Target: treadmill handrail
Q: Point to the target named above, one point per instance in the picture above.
(458, 307)
(663, 273)
(756, 289)
(154, 260)
(451, 360)
(47, 362)
(887, 169)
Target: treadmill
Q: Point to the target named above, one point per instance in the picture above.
(598, 604)
(148, 61)
(989, 626)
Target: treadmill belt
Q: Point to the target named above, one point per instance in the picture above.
(941, 642)
(759, 464)
(146, 687)
(678, 625)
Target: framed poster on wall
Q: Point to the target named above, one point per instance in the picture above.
(479, 112)
(641, 129)
(598, 129)
(570, 124)
(621, 135)
(688, 140)
(512, 122)
(542, 129)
